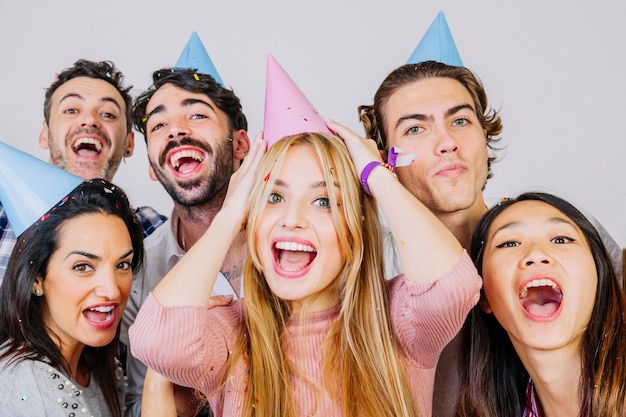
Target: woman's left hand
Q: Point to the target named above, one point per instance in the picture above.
(362, 151)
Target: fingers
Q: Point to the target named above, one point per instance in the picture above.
(219, 301)
(362, 151)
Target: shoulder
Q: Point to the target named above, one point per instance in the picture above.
(149, 219)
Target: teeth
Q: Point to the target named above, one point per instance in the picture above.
(293, 246)
(539, 283)
(103, 309)
(197, 155)
(87, 141)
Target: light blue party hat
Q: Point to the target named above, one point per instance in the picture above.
(195, 56)
(437, 44)
(29, 187)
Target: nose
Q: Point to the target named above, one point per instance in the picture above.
(178, 128)
(108, 286)
(294, 216)
(90, 119)
(445, 142)
(535, 255)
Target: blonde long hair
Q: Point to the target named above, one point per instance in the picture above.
(362, 362)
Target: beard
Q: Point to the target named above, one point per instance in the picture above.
(198, 191)
(60, 157)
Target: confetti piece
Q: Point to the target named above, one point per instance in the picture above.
(196, 77)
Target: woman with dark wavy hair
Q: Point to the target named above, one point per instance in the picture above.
(548, 337)
(61, 302)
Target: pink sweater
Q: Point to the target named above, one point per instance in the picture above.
(191, 345)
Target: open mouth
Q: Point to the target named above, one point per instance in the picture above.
(293, 256)
(99, 314)
(87, 146)
(541, 297)
(186, 161)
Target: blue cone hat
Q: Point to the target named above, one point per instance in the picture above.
(29, 187)
(437, 44)
(195, 57)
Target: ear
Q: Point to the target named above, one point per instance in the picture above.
(43, 136)
(153, 176)
(130, 145)
(484, 305)
(38, 287)
(241, 144)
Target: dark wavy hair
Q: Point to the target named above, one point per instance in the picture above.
(195, 82)
(103, 70)
(373, 116)
(493, 378)
(23, 332)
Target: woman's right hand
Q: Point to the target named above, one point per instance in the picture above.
(242, 181)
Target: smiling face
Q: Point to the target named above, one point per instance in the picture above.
(296, 238)
(189, 145)
(434, 118)
(87, 133)
(539, 277)
(88, 281)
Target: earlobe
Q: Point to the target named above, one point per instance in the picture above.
(241, 144)
(43, 136)
(153, 176)
(130, 145)
(37, 287)
(484, 305)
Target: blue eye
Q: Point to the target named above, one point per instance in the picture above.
(460, 122)
(323, 202)
(275, 198)
(414, 130)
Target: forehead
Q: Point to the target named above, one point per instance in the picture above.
(429, 96)
(87, 88)
(525, 214)
(170, 97)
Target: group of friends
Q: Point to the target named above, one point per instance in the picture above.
(372, 287)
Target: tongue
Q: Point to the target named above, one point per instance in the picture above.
(542, 301)
(187, 165)
(87, 151)
(96, 315)
(294, 260)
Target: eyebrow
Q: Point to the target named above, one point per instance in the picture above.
(185, 103)
(320, 184)
(517, 223)
(78, 96)
(96, 257)
(419, 116)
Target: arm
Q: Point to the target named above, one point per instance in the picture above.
(427, 249)
(191, 281)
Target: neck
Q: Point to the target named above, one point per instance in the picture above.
(463, 222)
(556, 375)
(76, 368)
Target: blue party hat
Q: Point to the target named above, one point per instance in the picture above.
(29, 187)
(437, 44)
(195, 57)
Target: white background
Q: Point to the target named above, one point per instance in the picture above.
(555, 69)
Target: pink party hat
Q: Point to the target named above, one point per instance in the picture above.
(437, 44)
(196, 57)
(287, 110)
(29, 187)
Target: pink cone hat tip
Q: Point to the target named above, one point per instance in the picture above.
(287, 110)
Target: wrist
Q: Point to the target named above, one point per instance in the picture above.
(365, 174)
